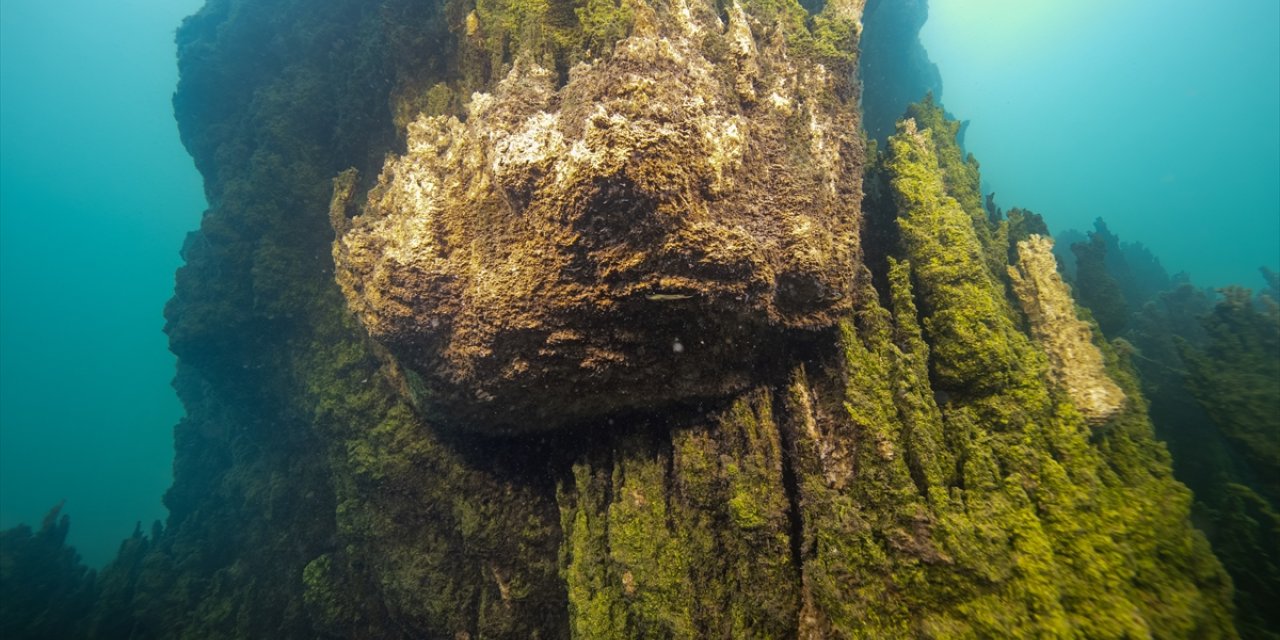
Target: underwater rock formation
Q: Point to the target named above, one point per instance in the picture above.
(44, 590)
(883, 452)
(1076, 363)
(632, 238)
(1209, 364)
(1234, 375)
(893, 63)
(1234, 378)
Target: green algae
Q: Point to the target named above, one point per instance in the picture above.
(1204, 366)
(685, 539)
(1009, 514)
(966, 317)
(604, 23)
(919, 477)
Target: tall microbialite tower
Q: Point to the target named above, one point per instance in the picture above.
(601, 319)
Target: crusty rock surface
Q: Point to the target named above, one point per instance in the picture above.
(636, 237)
(1074, 360)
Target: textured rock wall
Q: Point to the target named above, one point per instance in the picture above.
(1209, 363)
(1014, 503)
(1074, 360)
(640, 236)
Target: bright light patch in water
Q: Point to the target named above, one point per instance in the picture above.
(993, 30)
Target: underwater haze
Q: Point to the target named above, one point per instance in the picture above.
(1160, 116)
(96, 193)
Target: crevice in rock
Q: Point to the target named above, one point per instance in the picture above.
(790, 483)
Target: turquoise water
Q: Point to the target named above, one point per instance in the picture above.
(1164, 118)
(1161, 116)
(96, 194)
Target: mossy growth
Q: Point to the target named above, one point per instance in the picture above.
(561, 33)
(987, 509)
(967, 319)
(683, 538)
(508, 28)
(412, 509)
(1247, 539)
(829, 36)
(960, 175)
(554, 33)
(604, 23)
(1210, 376)
(1233, 372)
(918, 479)
(1017, 226)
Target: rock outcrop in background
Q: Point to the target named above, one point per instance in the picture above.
(1209, 362)
(887, 454)
(893, 63)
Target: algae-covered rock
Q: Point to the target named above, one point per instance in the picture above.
(1075, 361)
(1209, 364)
(617, 368)
(45, 592)
(966, 318)
(641, 235)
